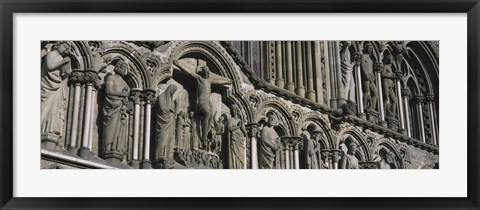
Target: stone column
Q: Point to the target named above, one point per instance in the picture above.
(253, 130)
(296, 145)
(377, 67)
(430, 99)
(76, 78)
(310, 78)
(406, 98)
(333, 75)
(340, 87)
(358, 84)
(299, 89)
(326, 59)
(91, 78)
(279, 81)
(419, 100)
(290, 84)
(401, 114)
(318, 71)
(335, 158)
(148, 97)
(135, 97)
(92, 120)
(286, 143)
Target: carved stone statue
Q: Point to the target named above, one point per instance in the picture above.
(194, 139)
(349, 161)
(56, 67)
(238, 136)
(269, 144)
(314, 160)
(204, 90)
(115, 116)
(217, 132)
(370, 92)
(389, 97)
(165, 127)
(347, 71)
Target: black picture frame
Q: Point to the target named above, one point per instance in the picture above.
(10, 7)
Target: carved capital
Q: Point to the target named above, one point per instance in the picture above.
(430, 97)
(335, 155)
(406, 92)
(377, 66)
(358, 58)
(253, 129)
(91, 78)
(419, 98)
(148, 96)
(286, 142)
(76, 78)
(135, 95)
(296, 142)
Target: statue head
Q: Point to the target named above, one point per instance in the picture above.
(345, 44)
(317, 133)
(171, 89)
(121, 67)
(204, 72)
(235, 110)
(191, 114)
(367, 48)
(272, 119)
(352, 148)
(389, 59)
(62, 47)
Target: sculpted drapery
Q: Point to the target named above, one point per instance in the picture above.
(238, 135)
(115, 109)
(166, 123)
(268, 145)
(55, 67)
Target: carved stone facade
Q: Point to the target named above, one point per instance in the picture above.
(240, 105)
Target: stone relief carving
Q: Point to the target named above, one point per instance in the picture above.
(347, 71)
(56, 67)
(389, 96)
(238, 135)
(370, 92)
(115, 116)
(269, 144)
(349, 161)
(166, 123)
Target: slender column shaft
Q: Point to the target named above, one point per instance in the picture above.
(333, 75)
(326, 59)
(300, 88)
(146, 138)
(279, 81)
(287, 158)
(400, 107)
(378, 67)
(90, 137)
(254, 153)
(340, 87)
(430, 98)
(358, 84)
(318, 72)
(88, 106)
(421, 128)
(136, 130)
(310, 78)
(296, 158)
(407, 116)
(290, 84)
(76, 110)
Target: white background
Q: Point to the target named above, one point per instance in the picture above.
(449, 181)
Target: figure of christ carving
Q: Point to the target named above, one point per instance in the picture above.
(166, 123)
(370, 92)
(389, 97)
(204, 105)
(349, 161)
(269, 144)
(347, 71)
(314, 160)
(115, 108)
(238, 137)
(56, 67)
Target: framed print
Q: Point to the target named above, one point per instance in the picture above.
(239, 105)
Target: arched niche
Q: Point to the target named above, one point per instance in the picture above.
(363, 153)
(311, 121)
(284, 116)
(389, 154)
(211, 53)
